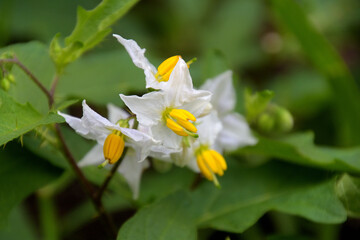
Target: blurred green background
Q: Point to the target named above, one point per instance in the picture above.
(247, 36)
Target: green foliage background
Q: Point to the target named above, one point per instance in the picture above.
(305, 51)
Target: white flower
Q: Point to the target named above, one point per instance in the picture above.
(94, 126)
(155, 78)
(236, 132)
(168, 113)
(203, 155)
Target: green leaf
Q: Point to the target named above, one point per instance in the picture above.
(18, 227)
(17, 119)
(21, 173)
(155, 185)
(247, 194)
(323, 56)
(100, 77)
(91, 28)
(348, 190)
(166, 219)
(299, 148)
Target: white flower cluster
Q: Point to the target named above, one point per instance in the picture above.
(176, 123)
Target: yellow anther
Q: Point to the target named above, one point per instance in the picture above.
(113, 147)
(188, 115)
(178, 114)
(166, 67)
(203, 168)
(173, 125)
(178, 121)
(210, 163)
(187, 125)
(219, 159)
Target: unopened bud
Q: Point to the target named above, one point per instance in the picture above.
(285, 121)
(5, 84)
(11, 78)
(266, 122)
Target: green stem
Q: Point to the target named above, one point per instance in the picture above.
(48, 218)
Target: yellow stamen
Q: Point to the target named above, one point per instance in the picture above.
(210, 163)
(203, 168)
(219, 159)
(178, 121)
(166, 67)
(173, 125)
(113, 147)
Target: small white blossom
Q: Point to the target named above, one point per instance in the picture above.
(157, 109)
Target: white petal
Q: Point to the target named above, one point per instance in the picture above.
(94, 157)
(140, 141)
(192, 164)
(224, 97)
(131, 170)
(168, 138)
(115, 113)
(99, 127)
(75, 123)
(148, 108)
(198, 104)
(209, 128)
(236, 132)
(85, 126)
(139, 59)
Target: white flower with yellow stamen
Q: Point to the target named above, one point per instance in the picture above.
(155, 78)
(201, 155)
(236, 132)
(111, 139)
(171, 114)
(112, 136)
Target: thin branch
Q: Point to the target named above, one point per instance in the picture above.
(53, 86)
(110, 176)
(87, 186)
(32, 77)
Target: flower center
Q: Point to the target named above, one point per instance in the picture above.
(210, 162)
(178, 120)
(166, 68)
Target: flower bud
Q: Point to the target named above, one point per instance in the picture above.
(11, 78)
(5, 84)
(285, 121)
(266, 122)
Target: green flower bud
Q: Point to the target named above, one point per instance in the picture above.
(5, 84)
(266, 122)
(284, 120)
(11, 78)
